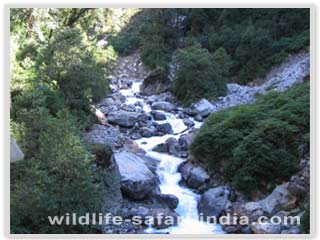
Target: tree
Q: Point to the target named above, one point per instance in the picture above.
(198, 75)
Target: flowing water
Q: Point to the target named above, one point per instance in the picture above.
(168, 172)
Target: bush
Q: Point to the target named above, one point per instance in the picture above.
(102, 152)
(255, 39)
(198, 75)
(71, 66)
(256, 145)
(54, 182)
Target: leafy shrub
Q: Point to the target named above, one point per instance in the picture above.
(256, 145)
(198, 75)
(255, 39)
(70, 65)
(102, 152)
(54, 182)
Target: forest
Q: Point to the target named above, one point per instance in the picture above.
(60, 71)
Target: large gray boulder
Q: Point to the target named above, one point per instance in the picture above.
(173, 146)
(169, 200)
(202, 108)
(156, 82)
(123, 118)
(197, 177)
(158, 116)
(213, 201)
(193, 176)
(164, 106)
(265, 228)
(185, 140)
(137, 180)
(280, 199)
(15, 152)
(164, 128)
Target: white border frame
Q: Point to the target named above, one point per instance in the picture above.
(162, 5)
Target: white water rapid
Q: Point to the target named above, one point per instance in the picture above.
(168, 173)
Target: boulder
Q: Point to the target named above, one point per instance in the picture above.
(162, 148)
(133, 147)
(156, 82)
(158, 116)
(280, 199)
(165, 128)
(213, 201)
(100, 116)
(164, 217)
(188, 122)
(265, 228)
(173, 146)
(185, 140)
(198, 118)
(202, 108)
(15, 152)
(185, 170)
(292, 230)
(137, 180)
(147, 132)
(123, 118)
(169, 200)
(193, 176)
(197, 177)
(164, 106)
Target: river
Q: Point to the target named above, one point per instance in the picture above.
(168, 174)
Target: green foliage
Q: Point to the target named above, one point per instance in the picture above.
(256, 145)
(70, 65)
(199, 74)
(57, 72)
(54, 182)
(255, 39)
(305, 220)
(102, 152)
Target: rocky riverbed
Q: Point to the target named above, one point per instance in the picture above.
(150, 133)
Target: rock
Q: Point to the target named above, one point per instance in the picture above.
(162, 147)
(137, 180)
(160, 220)
(147, 132)
(197, 177)
(185, 140)
(173, 146)
(164, 106)
(198, 118)
(291, 230)
(188, 122)
(143, 118)
(184, 154)
(213, 201)
(105, 133)
(252, 206)
(185, 170)
(165, 128)
(100, 116)
(265, 228)
(156, 82)
(133, 147)
(169, 200)
(296, 186)
(202, 108)
(158, 116)
(15, 152)
(123, 118)
(279, 199)
(193, 176)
